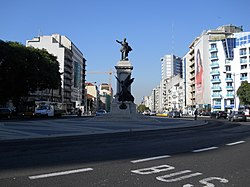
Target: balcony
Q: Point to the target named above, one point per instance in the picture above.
(218, 88)
(218, 96)
(216, 106)
(230, 95)
(214, 65)
(228, 61)
(229, 88)
(213, 49)
(243, 60)
(243, 78)
(215, 80)
(229, 79)
(215, 72)
(214, 58)
(229, 106)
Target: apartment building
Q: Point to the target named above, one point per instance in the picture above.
(198, 66)
(106, 95)
(71, 64)
(230, 63)
(171, 65)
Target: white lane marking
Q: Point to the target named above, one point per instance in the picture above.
(165, 178)
(60, 173)
(149, 159)
(235, 143)
(204, 149)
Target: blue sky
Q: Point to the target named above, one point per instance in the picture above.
(153, 28)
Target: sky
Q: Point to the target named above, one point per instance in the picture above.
(153, 28)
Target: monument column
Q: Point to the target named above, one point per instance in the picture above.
(123, 104)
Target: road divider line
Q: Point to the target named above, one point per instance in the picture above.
(59, 173)
(149, 159)
(204, 149)
(235, 143)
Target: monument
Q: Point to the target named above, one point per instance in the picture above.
(123, 104)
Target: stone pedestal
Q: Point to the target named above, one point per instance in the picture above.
(123, 69)
(126, 108)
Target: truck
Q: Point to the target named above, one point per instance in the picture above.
(49, 109)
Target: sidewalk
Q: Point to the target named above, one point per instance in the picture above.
(76, 126)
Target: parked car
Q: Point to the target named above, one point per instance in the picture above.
(152, 113)
(162, 114)
(237, 116)
(5, 113)
(218, 114)
(101, 112)
(205, 113)
(174, 114)
(146, 112)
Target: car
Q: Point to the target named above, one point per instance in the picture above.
(146, 112)
(174, 114)
(218, 114)
(237, 116)
(205, 113)
(5, 113)
(162, 114)
(152, 113)
(100, 112)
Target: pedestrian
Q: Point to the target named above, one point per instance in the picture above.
(79, 112)
(195, 114)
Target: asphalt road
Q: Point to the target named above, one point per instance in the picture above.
(214, 155)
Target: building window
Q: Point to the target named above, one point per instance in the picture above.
(243, 60)
(214, 55)
(229, 76)
(229, 84)
(213, 46)
(243, 66)
(243, 51)
(243, 75)
(77, 74)
(228, 68)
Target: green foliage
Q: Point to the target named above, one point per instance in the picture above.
(142, 108)
(243, 93)
(24, 69)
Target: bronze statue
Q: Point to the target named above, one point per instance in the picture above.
(125, 49)
(125, 94)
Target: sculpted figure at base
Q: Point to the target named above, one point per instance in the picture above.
(125, 94)
(125, 49)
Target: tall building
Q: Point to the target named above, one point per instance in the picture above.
(171, 65)
(230, 62)
(200, 56)
(71, 64)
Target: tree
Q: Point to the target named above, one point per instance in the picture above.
(141, 108)
(25, 69)
(243, 93)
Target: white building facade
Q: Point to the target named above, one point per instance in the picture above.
(202, 63)
(71, 64)
(230, 61)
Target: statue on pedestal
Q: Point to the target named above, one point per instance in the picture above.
(125, 94)
(125, 49)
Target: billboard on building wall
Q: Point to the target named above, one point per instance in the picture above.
(199, 76)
